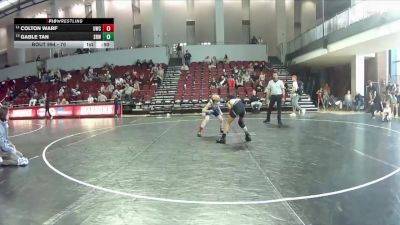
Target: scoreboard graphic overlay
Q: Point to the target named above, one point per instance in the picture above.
(64, 33)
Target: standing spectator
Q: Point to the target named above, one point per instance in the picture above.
(371, 91)
(231, 82)
(275, 92)
(226, 59)
(255, 102)
(9, 155)
(397, 108)
(116, 104)
(61, 91)
(253, 40)
(90, 99)
(325, 96)
(260, 40)
(213, 83)
(295, 93)
(320, 99)
(179, 50)
(47, 107)
(348, 100)
(358, 99)
(223, 81)
(376, 104)
(187, 57)
(239, 81)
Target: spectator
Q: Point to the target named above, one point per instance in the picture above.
(61, 91)
(101, 97)
(116, 106)
(75, 91)
(262, 77)
(47, 108)
(391, 100)
(214, 61)
(253, 40)
(320, 99)
(179, 50)
(246, 77)
(231, 82)
(397, 94)
(295, 93)
(64, 102)
(260, 40)
(67, 78)
(213, 83)
(116, 94)
(371, 91)
(325, 96)
(58, 101)
(9, 155)
(90, 99)
(110, 88)
(207, 60)
(128, 93)
(348, 100)
(32, 101)
(184, 67)
(187, 58)
(226, 59)
(255, 102)
(136, 86)
(240, 81)
(359, 100)
(223, 81)
(260, 87)
(387, 112)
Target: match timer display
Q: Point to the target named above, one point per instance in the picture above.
(64, 33)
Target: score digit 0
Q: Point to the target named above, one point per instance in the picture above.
(108, 27)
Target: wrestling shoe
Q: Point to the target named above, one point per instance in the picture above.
(199, 134)
(22, 161)
(303, 112)
(266, 121)
(280, 124)
(248, 138)
(222, 140)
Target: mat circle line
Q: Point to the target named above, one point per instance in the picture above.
(182, 201)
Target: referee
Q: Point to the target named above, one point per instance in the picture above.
(275, 92)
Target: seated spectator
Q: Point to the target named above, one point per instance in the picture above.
(32, 101)
(260, 87)
(223, 81)
(9, 155)
(359, 101)
(128, 93)
(255, 102)
(42, 100)
(387, 112)
(184, 67)
(226, 59)
(110, 88)
(64, 102)
(101, 97)
(231, 82)
(136, 86)
(246, 77)
(213, 83)
(141, 79)
(103, 88)
(107, 76)
(160, 72)
(58, 102)
(90, 99)
(348, 100)
(262, 77)
(61, 91)
(67, 78)
(75, 91)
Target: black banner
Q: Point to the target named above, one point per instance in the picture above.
(58, 36)
(46, 21)
(29, 28)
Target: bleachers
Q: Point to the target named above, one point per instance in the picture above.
(194, 84)
(147, 90)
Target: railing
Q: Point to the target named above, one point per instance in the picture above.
(360, 11)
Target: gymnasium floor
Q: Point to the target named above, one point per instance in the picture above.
(321, 169)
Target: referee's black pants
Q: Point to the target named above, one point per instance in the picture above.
(278, 100)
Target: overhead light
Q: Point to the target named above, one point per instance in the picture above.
(7, 3)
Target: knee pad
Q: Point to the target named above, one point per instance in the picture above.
(241, 123)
